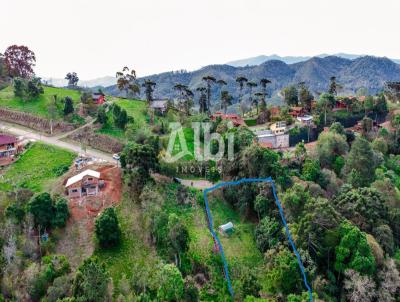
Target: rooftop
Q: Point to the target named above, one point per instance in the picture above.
(80, 176)
(7, 139)
(158, 104)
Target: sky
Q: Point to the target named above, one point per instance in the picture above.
(98, 37)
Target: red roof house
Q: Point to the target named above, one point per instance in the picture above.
(98, 98)
(234, 118)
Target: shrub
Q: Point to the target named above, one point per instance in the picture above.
(107, 228)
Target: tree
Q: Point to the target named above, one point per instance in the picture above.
(330, 145)
(311, 170)
(325, 103)
(332, 86)
(209, 80)
(139, 156)
(290, 95)
(149, 89)
(359, 288)
(384, 236)
(381, 106)
(185, 97)
(221, 83)
(361, 159)
(392, 90)
(364, 207)
(171, 285)
(248, 284)
(122, 119)
(19, 61)
(294, 200)
(91, 281)
(127, 81)
(259, 100)
(41, 207)
(226, 100)
(72, 78)
(120, 116)
(305, 96)
(178, 237)
(241, 82)
(203, 107)
(389, 278)
(263, 83)
(61, 213)
(102, 116)
(107, 229)
(251, 86)
(353, 251)
(283, 273)
(68, 105)
(19, 87)
(317, 228)
(337, 128)
(267, 234)
(34, 88)
(368, 104)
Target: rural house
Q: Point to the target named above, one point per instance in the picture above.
(234, 118)
(159, 106)
(8, 148)
(274, 138)
(98, 98)
(86, 183)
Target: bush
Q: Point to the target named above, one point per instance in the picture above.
(108, 232)
(61, 214)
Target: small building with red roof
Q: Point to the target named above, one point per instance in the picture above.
(99, 98)
(234, 118)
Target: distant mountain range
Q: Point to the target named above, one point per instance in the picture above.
(290, 59)
(98, 82)
(361, 72)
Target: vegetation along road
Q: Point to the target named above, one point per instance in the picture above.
(56, 141)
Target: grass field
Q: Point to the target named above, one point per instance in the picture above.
(37, 168)
(134, 108)
(133, 253)
(38, 106)
(239, 247)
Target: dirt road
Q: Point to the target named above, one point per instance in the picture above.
(56, 141)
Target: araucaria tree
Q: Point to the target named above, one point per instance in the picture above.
(251, 86)
(221, 83)
(127, 81)
(19, 61)
(226, 100)
(263, 83)
(72, 78)
(203, 107)
(332, 86)
(149, 89)
(241, 82)
(209, 80)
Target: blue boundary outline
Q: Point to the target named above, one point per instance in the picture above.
(211, 227)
